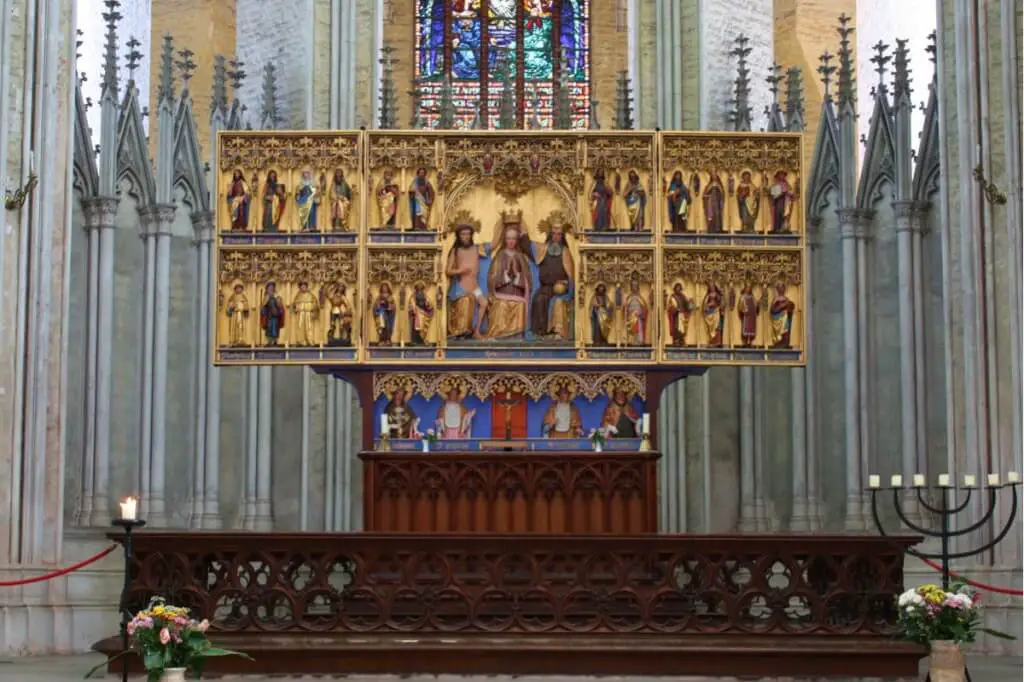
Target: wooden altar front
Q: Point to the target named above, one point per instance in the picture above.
(510, 492)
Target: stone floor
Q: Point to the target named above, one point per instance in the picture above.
(68, 668)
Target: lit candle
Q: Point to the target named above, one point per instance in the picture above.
(129, 508)
(874, 481)
(944, 480)
(645, 428)
(918, 480)
(1012, 477)
(993, 479)
(897, 481)
(384, 423)
(969, 481)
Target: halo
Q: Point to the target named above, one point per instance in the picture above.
(450, 382)
(560, 382)
(620, 384)
(461, 219)
(555, 219)
(392, 387)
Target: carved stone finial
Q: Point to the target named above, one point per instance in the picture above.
(847, 82)
(78, 43)
(270, 117)
(507, 119)
(933, 48)
(535, 122)
(561, 118)
(186, 66)
(623, 102)
(111, 17)
(901, 64)
(219, 98)
(133, 57)
(387, 114)
(446, 107)
(881, 61)
(826, 70)
(740, 115)
(794, 99)
(165, 85)
(416, 95)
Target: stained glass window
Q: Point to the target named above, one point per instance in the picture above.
(484, 46)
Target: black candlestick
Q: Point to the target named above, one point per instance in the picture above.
(128, 525)
(946, 511)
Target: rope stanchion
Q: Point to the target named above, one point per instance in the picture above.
(59, 573)
(974, 583)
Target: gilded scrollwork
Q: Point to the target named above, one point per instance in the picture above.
(535, 385)
(289, 151)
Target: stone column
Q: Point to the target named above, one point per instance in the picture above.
(800, 516)
(100, 213)
(157, 224)
(848, 226)
(909, 351)
(815, 512)
(264, 514)
(149, 225)
(202, 224)
(252, 401)
(748, 522)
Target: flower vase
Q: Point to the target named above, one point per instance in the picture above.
(173, 675)
(946, 662)
(426, 445)
(598, 447)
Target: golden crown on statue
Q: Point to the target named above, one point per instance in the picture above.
(463, 219)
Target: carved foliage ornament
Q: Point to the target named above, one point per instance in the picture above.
(402, 151)
(617, 267)
(533, 384)
(762, 154)
(316, 267)
(736, 268)
(620, 151)
(287, 152)
(403, 266)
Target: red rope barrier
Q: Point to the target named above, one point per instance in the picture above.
(59, 573)
(973, 583)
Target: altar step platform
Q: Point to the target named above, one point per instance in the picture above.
(535, 604)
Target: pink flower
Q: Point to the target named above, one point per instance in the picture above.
(131, 627)
(165, 636)
(203, 626)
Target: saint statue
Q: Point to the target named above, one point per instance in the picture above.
(238, 317)
(273, 203)
(340, 198)
(602, 317)
(679, 307)
(421, 315)
(272, 314)
(421, 200)
(466, 301)
(620, 420)
(508, 282)
(384, 314)
(714, 205)
(636, 203)
(402, 421)
(601, 203)
(306, 309)
(551, 311)
(238, 202)
(714, 319)
(635, 313)
(307, 201)
(339, 329)
(748, 201)
(748, 308)
(454, 420)
(679, 200)
(781, 313)
(782, 197)
(387, 200)
(562, 420)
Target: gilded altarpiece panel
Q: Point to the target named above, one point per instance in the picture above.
(529, 248)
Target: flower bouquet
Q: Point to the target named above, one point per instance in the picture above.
(929, 614)
(429, 438)
(598, 438)
(169, 642)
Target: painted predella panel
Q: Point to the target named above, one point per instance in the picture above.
(538, 248)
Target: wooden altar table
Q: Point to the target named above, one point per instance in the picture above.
(510, 492)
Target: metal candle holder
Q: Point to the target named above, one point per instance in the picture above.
(128, 525)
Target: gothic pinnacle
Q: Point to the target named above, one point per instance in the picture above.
(186, 66)
(740, 115)
(111, 17)
(846, 66)
(507, 108)
(446, 108)
(388, 110)
(901, 64)
(561, 116)
(794, 99)
(881, 61)
(133, 57)
(270, 117)
(623, 102)
(165, 87)
(826, 70)
(219, 99)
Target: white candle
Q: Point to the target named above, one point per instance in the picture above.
(993, 479)
(646, 426)
(1013, 477)
(969, 481)
(129, 508)
(384, 423)
(897, 481)
(918, 480)
(874, 481)
(944, 480)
